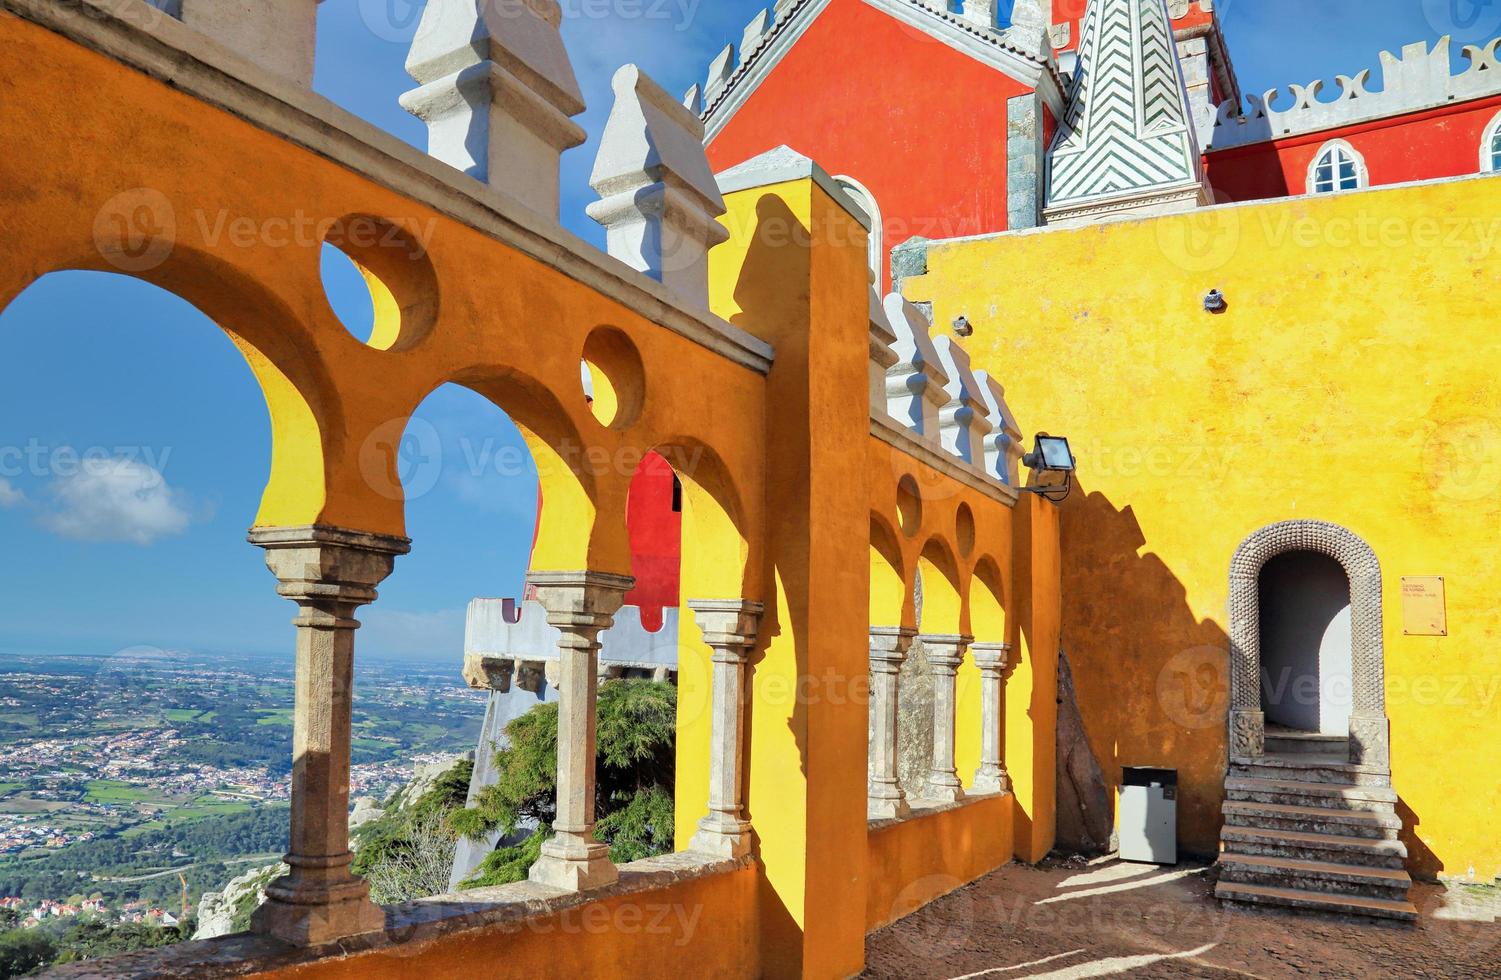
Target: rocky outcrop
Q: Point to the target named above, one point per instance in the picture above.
(227, 912)
(1084, 815)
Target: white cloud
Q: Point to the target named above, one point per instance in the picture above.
(10, 496)
(116, 499)
(396, 632)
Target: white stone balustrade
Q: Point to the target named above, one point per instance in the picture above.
(329, 572)
(888, 651)
(915, 391)
(992, 659)
(279, 35)
(729, 628)
(963, 423)
(580, 605)
(1003, 446)
(982, 13)
(658, 197)
(945, 653)
(497, 90)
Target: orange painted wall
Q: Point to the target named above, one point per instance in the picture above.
(917, 122)
(1419, 146)
(917, 860)
(709, 922)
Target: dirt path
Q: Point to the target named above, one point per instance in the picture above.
(1063, 921)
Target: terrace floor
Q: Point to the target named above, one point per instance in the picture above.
(1070, 919)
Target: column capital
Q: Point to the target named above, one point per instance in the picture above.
(945, 649)
(319, 564)
(728, 624)
(580, 600)
(991, 656)
(889, 646)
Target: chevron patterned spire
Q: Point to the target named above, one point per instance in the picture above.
(1126, 144)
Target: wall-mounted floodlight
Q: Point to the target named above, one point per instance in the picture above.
(1052, 464)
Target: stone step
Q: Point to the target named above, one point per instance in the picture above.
(1307, 769)
(1336, 848)
(1382, 908)
(1291, 742)
(1311, 819)
(1297, 793)
(1318, 876)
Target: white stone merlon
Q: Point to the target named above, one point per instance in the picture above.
(755, 33)
(497, 90)
(883, 355)
(963, 423)
(693, 100)
(720, 70)
(658, 197)
(278, 35)
(1419, 78)
(1030, 30)
(1003, 446)
(981, 13)
(915, 393)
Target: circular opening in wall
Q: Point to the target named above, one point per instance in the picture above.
(379, 281)
(964, 530)
(908, 505)
(614, 378)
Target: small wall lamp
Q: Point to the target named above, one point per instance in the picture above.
(1053, 464)
(1215, 302)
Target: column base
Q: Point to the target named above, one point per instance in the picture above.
(943, 789)
(574, 866)
(726, 839)
(337, 913)
(885, 808)
(991, 781)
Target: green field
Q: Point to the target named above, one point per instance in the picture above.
(114, 791)
(274, 716)
(180, 715)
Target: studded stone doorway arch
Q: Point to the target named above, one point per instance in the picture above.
(1368, 725)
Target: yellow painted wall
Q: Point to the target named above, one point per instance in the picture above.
(1353, 379)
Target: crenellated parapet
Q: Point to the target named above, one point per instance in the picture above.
(915, 384)
(963, 422)
(1417, 79)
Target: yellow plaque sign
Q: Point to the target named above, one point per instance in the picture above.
(1423, 606)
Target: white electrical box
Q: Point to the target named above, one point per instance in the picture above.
(1149, 815)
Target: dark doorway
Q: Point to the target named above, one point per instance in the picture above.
(1305, 643)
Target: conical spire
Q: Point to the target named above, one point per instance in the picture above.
(1127, 142)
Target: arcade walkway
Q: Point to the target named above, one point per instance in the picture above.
(1066, 920)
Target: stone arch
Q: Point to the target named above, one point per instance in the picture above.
(1368, 725)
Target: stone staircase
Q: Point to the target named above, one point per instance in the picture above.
(1306, 829)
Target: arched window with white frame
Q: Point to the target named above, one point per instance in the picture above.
(1490, 147)
(1338, 166)
(866, 201)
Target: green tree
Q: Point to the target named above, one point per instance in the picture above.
(634, 771)
(23, 951)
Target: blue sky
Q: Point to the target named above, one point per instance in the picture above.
(127, 481)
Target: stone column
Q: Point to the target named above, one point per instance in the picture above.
(729, 628)
(581, 605)
(945, 653)
(329, 572)
(888, 651)
(992, 659)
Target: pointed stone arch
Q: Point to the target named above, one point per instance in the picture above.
(1368, 724)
